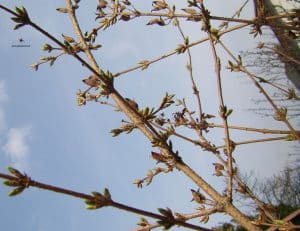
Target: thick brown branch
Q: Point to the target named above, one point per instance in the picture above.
(150, 132)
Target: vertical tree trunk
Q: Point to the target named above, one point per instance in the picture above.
(287, 43)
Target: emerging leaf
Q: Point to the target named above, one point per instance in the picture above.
(204, 219)
(47, 47)
(92, 81)
(92, 207)
(144, 64)
(62, 10)
(143, 222)
(218, 166)
(97, 194)
(35, 66)
(11, 183)
(139, 183)
(159, 5)
(198, 197)
(107, 194)
(16, 191)
(158, 21)
(190, 10)
(15, 172)
(281, 114)
(69, 39)
(132, 103)
(158, 157)
(166, 212)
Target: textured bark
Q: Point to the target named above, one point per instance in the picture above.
(287, 44)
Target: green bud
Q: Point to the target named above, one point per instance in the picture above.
(89, 202)
(15, 172)
(92, 207)
(16, 191)
(11, 183)
(97, 194)
(107, 194)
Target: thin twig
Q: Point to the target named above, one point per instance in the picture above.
(261, 89)
(150, 132)
(256, 141)
(185, 217)
(248, 191)
(190, 69)
(198, 131)
(277, 86)
(171, 15)
(284, 54)
(260, 130)
(222, 106)
(173, 52)
(112, 203)
(176, 134)
(123, 104)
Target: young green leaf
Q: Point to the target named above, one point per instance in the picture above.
(15, 172)
(16, 191)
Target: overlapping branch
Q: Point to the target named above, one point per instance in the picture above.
(159, 129)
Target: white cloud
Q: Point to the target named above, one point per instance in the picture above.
(16, 144)
(17, 147)
(3, 94)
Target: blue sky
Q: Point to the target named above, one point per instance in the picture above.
(44, 133)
